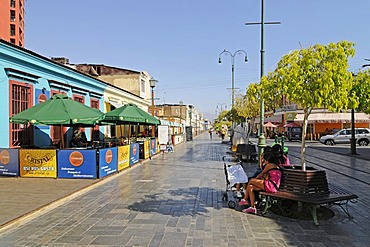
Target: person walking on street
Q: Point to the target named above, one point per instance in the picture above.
(223, 133)
(210, 133)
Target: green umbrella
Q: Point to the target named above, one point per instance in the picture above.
(58, 110)
(129, 113)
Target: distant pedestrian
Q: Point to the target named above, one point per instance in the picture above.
(210, 133)
(169, 146)
(223, 133)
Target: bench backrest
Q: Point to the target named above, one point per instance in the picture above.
(304, 182)
(240, 148)
(251, 149)
(246, 148)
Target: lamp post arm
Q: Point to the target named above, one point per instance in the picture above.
(224, 51)
(242, 51)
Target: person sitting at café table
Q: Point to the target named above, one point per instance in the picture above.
(79, 138)
(144, 133)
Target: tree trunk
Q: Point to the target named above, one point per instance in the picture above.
(304, 132)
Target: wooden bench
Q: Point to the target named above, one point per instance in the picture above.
(310, 187)
(248, 150)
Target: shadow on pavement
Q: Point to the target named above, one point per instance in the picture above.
(180, 202)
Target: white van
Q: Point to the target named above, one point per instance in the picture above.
(362, 136)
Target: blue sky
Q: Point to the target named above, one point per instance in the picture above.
(178, 42)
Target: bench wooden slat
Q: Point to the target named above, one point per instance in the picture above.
(311, 199)
(309, 187)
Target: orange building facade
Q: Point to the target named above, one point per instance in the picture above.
(12, 21)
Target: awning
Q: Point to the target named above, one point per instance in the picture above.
(115, 104)
(129, 113)
(333, 118)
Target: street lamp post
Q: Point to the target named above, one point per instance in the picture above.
(152, 82)
(181, 127)
(261, 138)
(233, 70)
(221, 107)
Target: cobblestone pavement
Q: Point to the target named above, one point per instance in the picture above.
(176, 200)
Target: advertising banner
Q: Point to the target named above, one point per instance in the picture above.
(107, 161)
(75, 163)
(146, 149)
(9, 162)
(134, 153)
(38, 163)
(153, 146)
(123, 157)
(163, 134)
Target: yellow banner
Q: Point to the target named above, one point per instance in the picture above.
(38, 163)
(146, 149)
(123, 157)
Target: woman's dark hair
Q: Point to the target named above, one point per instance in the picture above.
(269, 155)
(267, 149)
(279, 154)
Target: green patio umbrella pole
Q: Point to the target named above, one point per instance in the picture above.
(120, 126)
(61, 137)
(129, 133)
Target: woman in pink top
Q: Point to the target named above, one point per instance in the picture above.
(268, 180)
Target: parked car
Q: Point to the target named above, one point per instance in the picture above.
(362, 136)
(294, 133)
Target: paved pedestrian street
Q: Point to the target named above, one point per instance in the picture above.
(175, 199)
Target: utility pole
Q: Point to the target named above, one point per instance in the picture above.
(261, 138)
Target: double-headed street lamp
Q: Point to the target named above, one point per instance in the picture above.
(152, 83)
(261, 138)
(221, 107)
(232, 70)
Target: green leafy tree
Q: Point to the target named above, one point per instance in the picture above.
(222, 119)
(359, 99)
(360, 93)
(243, 110)
(233, 115)
(247, 106)
(316, 76)
(251, 102)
